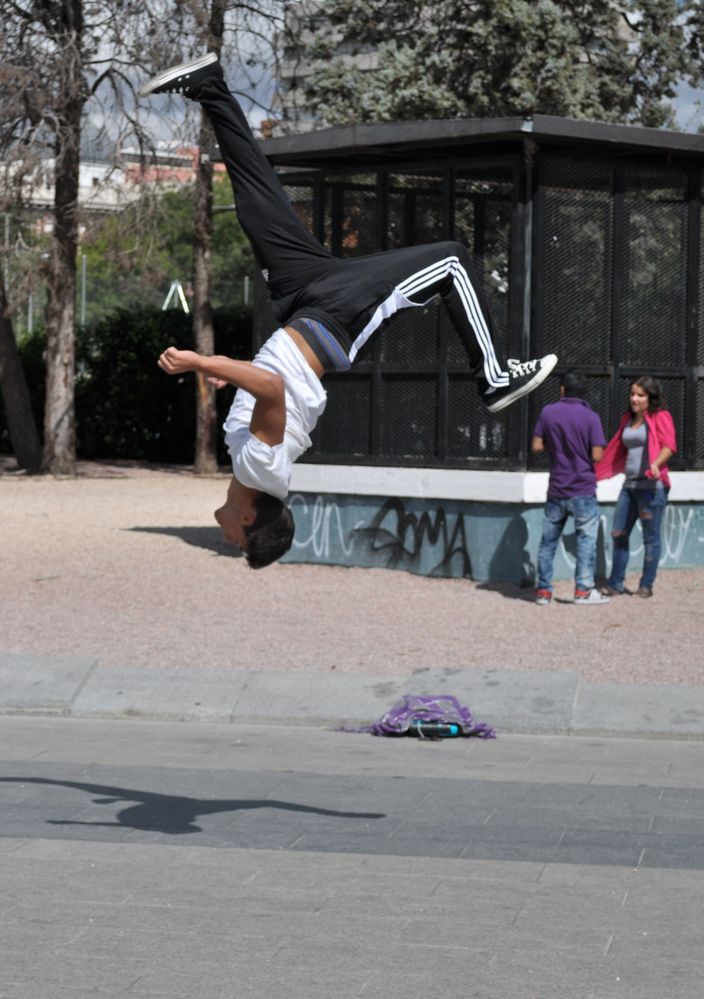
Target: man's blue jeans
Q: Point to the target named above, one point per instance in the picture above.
(585, 511)
(648, 506)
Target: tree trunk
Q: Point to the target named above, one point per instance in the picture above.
(15, 395)
(203, 332)
(59, 414)
(206, 462)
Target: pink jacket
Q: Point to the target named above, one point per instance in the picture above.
(661, 433)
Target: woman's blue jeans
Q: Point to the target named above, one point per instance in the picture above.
(585, 511)
(648, 506)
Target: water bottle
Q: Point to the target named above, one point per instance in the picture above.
(433, 729)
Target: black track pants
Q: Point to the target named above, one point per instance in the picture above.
(352, 297)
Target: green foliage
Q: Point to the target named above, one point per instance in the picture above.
(594, 59)
(126, 407)
(134, 256)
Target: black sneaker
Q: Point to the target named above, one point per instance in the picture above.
(181, 79)
(523, 377)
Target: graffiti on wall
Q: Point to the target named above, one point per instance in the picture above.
(320, 530)
(431, 542)
(400, 537)
(677, 533)
(482, 541)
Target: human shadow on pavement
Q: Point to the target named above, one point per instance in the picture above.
(172, 814)
(511, 591)
(201, 537)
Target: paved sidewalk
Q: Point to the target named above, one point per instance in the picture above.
(532, 702)
(142, 859)
(118, 599)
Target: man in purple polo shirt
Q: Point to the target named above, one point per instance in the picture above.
(571, 432)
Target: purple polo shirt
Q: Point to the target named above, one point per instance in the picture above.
(570, 429)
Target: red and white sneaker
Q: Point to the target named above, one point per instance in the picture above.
(590, 598)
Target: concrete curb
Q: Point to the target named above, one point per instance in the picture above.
(530, 702)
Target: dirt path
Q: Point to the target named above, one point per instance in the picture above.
(126, 564)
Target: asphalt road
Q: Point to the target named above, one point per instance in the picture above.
(143, 859)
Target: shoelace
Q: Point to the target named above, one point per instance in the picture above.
(517, 368)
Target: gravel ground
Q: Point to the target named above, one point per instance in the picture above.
(125, 563)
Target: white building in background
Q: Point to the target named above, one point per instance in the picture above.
(102, 188)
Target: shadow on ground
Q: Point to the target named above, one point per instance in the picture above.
(170, 813)
(511, 591)
(201, 537)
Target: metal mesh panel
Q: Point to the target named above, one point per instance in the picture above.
(599, 398)
(700, 339)
(472, 431)
(408, 428)
(608, 286)
(411, 339)
(699, 446)
(301, 198)
(264, 322)
(674, 391)
(344, 429)
(414, 209)
(351, 206)
(652, 320)
(573, 295)
(482, 220)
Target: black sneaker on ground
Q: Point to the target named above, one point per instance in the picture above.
(524, 376)
(180, 79)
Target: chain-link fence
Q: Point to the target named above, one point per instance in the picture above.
(599, 261)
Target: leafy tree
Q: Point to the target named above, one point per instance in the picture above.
(128, 261)
(53, 71)
(65, 65)
(605, 60)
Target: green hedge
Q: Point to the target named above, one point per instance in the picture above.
(126, 407)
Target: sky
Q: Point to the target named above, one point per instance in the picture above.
(689, 108)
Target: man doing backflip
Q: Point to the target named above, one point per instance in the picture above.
(327, 308)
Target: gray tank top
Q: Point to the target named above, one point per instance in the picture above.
(635, 441)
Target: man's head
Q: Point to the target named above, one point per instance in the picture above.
(260, 524)
(574, 384)
(271, 534)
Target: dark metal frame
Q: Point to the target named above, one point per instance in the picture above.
(320, 159)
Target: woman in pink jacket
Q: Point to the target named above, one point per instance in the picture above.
(641, 448)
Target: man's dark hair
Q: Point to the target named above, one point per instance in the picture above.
(575, 384)
(271, 534)
(651, 386)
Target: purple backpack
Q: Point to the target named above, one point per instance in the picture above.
(408, 715)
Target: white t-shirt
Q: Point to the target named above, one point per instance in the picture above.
(254, 463)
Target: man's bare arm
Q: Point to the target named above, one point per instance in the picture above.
(269, 415)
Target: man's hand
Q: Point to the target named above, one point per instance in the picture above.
(174, 361)
(218, 383)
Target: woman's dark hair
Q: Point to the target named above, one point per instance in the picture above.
(271, 534)
(651, 386)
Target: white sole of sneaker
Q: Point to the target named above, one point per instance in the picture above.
(528, 387)
(171, 74)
